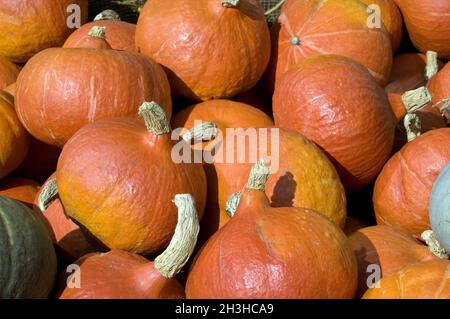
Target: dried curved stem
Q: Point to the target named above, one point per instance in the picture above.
(47, 194)
(258, 176)
(232, 204)
(155, 118)
(434, 245)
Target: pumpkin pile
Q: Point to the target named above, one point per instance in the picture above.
(212, 151)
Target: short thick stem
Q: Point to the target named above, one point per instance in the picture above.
(433, 244)
(109, 15)
(48, 194)
(413, 126)
(203, 132)
(155, 118)
(230, 3)
(97, 32)
(258, 176)
(232, 204)
(432, 66)
(416, 100)
(183, 242)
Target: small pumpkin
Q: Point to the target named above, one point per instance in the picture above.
(425, 280)
(14, 139)
(210, 48)
(21, 189)
(59, 91)
(439, 212)
(315, 27)
(8, 73)
(121, 191)
(402, 190)
(428, 22)
(120, 35)
(48, 24)
(333, 101)
(269, 252)
(122, 275)
(28, 261)
(389, 248)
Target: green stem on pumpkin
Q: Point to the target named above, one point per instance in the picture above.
(433, 244)
(183, 242)
(108, 15)
(48, 194)
(416, 100)
(155, 118)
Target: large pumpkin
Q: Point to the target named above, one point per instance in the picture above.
(27, 257)
(386, 247)
(428, 22)
(210, 48)
(30, 26)
(14, 139)
(309, 180)
(61, 90)
(117, 179)
(336, 103)
(8, 73)
(426, 280)
(402, 190)
(122, 275)
(315, 27)
(21, 189)
(265, 252)
(439, 208)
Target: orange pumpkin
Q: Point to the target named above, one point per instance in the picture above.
(426, 280)
(117, 178)
(122, 275)
(210, 48)
(402, 190)
(439, 87)
(428, 22)
(336, 103)
(266, 252)
(48, 24)
(314, 27)
(21, 189)
(8, 73)
(14, 139)
(59, 91)
(389, 248)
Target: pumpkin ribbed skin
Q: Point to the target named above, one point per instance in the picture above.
(117, 180)
(388, 247)
(14, 139)
(59, 91)
(439, 212)
(439, 86)
(28, 261)
(426, 280)
(119, 275)
(402, 190)
(21, 189)
(30, 26)
(265, 252)
(428, 22)
(329, 27)
(232, 45)
(119, 35)
(334, 102)
(8, 73)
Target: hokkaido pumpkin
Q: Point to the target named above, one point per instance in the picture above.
(21, 189)
(426, 280)
(265, 252)
(439, 212)
(336, 103)
(48, 24)
(28, 262)
(389, 248)
(14, 139)
(428, 22)
(70, 241)
(119, 34)
(309, 180)
(61, 90)
(402, 190)
(210, 48)
(8, 73)
(121, 192)
(315, 27)
(122, 275)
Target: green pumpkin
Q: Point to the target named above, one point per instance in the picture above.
(27, 256)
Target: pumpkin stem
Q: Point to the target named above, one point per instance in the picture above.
(97, 32)
(258, 176)
(109, 15)
(205, 131)
(416, 100)
(432, 65)
(48, 193)
(296, 40)
(230, 3)
(444, 107)
(434, 245)
(155, 118)
(183, 242)
(413, 126)
(232, 204)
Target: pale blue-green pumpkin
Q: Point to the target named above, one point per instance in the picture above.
(27, 257)
(440, 208)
